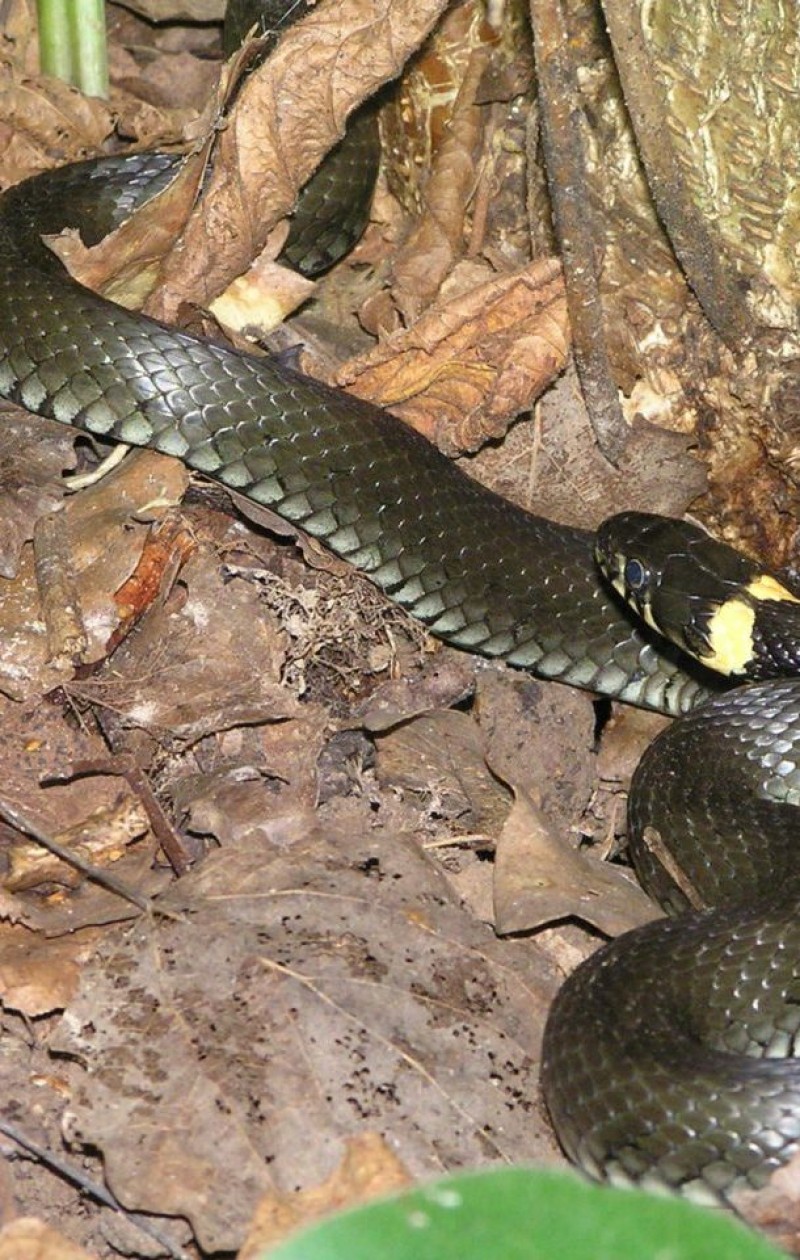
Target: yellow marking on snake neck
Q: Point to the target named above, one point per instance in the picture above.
(730, 637)
(766, 587)
(730, 631)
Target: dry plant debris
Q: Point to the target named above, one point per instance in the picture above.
(323, 1007)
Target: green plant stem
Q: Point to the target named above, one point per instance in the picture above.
(72, 41)
(55, 43)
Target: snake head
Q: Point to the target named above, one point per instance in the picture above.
(714, 603)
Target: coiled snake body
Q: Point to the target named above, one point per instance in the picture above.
(650, 1067)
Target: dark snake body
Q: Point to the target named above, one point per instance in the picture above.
(671, 1056)
(633, 1091)
(459, 558)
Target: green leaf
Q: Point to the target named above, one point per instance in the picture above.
(524, 1214)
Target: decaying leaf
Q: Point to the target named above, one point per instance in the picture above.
(91, 549)
(100, 838)
(126, 264)
(540, 879)
(335, 58)
(40, 117)
(27, 1238)
(440, 755)
(184, 672)
(341, 978)
(180, 10)
(38, 746)
(441, 130)
(368, 1168)
(39, 975)
(470, 366)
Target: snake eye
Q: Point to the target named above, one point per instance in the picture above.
(636, 575)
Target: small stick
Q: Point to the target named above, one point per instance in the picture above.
(17, 818)
(77, 1178)
(651, 838)
(171, 844)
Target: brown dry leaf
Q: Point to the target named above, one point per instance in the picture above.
(19, 37)
(38, 975)
(179, 10)
(37, 745)
(42, 117)
(125, 264)
(34, 456)
(441, 756)
(339, 974)
(43, 120)
(163, 79)
(625, 737)
(25, 670)
(86, 553)
(240, 800)
(541, 739)
(101, 838)
(539, 878)
(437, 239)
(175, 78)
(551, 465)
(775, 1208)
(447, 679)
(624, 740)
(92, 905)
(28, 1238)
(369, 1168)
(441, 138)
(288, 114)
(155, 126)
(185, 671)
(467, 369)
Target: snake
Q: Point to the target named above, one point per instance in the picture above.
(667, 1057)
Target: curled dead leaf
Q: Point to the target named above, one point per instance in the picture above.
(125, 265)
(289, 113)
(468, 367)
(42, 116)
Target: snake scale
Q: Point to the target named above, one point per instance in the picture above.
(668, 1056)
